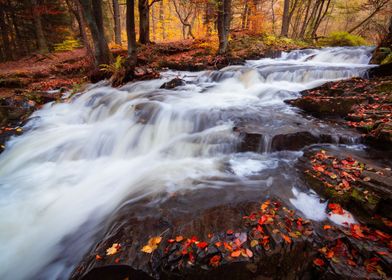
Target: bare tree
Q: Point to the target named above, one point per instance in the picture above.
(374, 6)
(185, 11)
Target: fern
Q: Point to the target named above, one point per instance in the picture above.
(115, 67)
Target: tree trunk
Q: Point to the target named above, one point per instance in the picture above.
(162, 19)
(41, 41)
(127, 72)
(131, 34)
(4, 35)
(244, 16)
(305, 21)
(285, 19)
(144, 22)
(224, 18)
(93, 14)
(273, 16)
(117, 22)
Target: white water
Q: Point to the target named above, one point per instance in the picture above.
(78, 161)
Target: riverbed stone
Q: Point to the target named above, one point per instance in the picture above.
(176, 82)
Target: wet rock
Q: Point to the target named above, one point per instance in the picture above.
(254, 141)
(381, 71)
(294, 141)
(176, 82)
(279, 260)
(366, 191)
(339, 106)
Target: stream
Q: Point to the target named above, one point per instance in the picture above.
(79, 161)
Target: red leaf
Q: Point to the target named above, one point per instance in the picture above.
(230, 232)
(336, 208)
(351, 262)
(202, 245)
(215, 261)
(319, 262)
(263, 219)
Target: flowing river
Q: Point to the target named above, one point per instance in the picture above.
(78, 161)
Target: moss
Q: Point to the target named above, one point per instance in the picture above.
(343, 39)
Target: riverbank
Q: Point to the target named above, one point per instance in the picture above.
(363, 104)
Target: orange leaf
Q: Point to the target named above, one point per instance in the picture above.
(98, 257)
(265, 205)
(329, 254)
(326, 227)
(236, 253)
(179, 238)
(286, 238)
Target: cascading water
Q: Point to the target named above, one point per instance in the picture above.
(78, 161)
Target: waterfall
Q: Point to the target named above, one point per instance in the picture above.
(78, 161)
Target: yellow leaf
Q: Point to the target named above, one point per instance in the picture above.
(254, 243)
(113, 250)
(149, 249)
(152, 244)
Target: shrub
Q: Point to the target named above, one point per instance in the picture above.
(343, 39)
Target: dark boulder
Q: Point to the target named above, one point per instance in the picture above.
(176, 82)
(381, 71)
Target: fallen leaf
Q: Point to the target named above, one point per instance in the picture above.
(366, 179)
(235, 254)
(254, 243)
(215, 261)
(152, 244)
(202, 244)
(319, 262)
(98, 257)
(326, 227)
(249, 253)
(286, 238)
(336, 208)
(113, 250)
(179, 238)
(351, 262)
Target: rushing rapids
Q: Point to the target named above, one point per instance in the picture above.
(77, 162)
